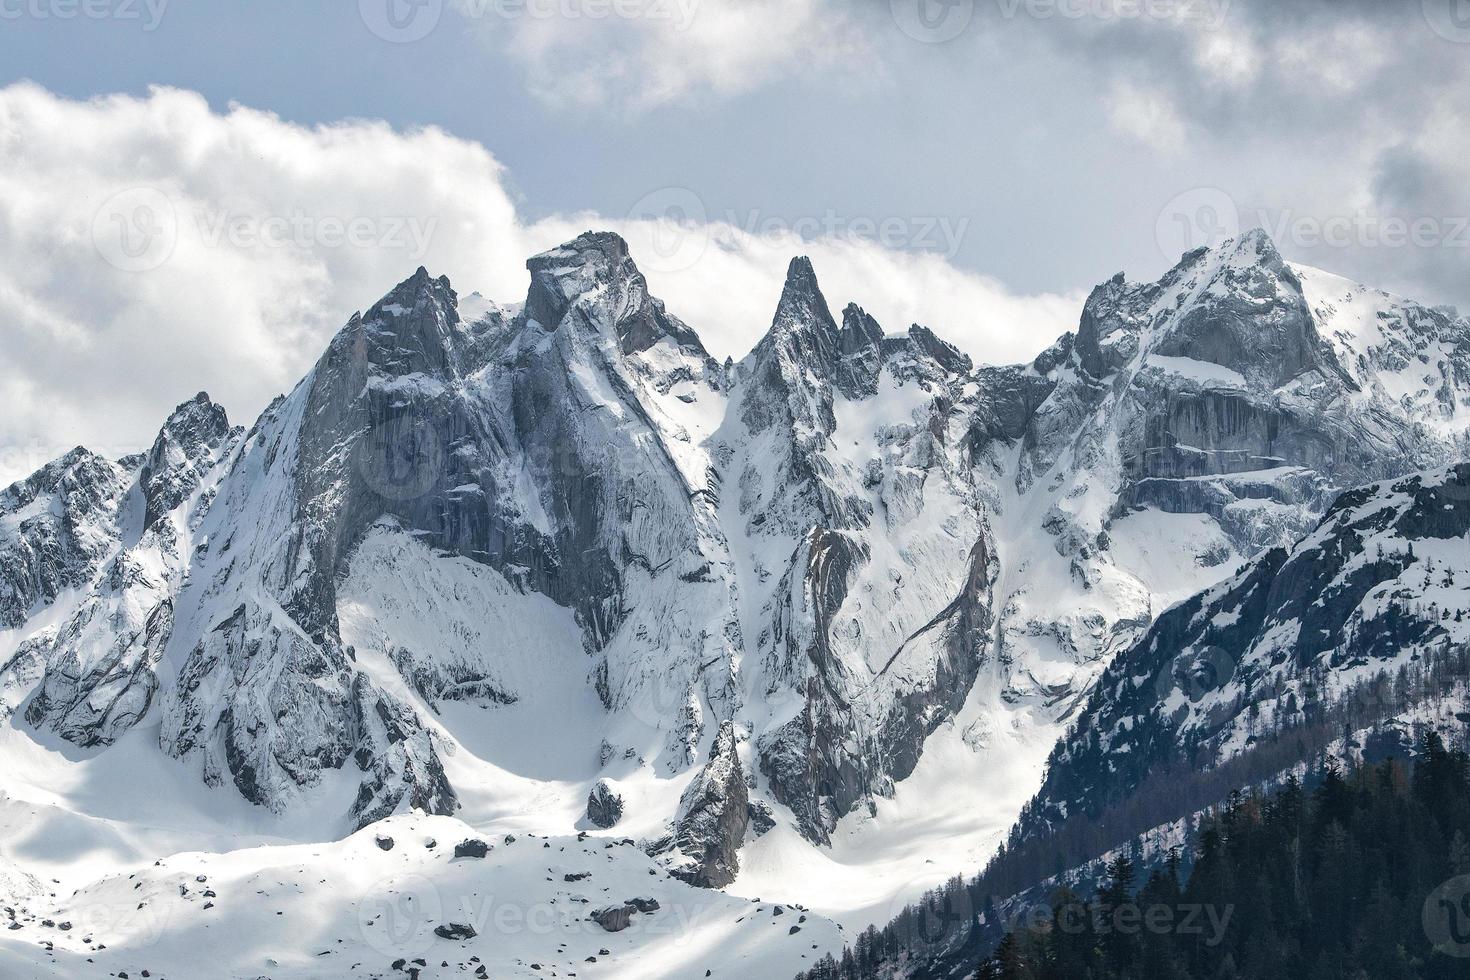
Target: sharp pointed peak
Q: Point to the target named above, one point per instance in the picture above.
(802, 294)
(200, 398)
(1252, 247)
(195, 413)
(46, 478)
(1256, 238)
(421, 285)
(802, 325)
(859, 329)
(800, 269)
(1119, 283)
(419, 315)
(422, 279)
(801, 282)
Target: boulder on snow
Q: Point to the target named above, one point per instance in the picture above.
(614, 918)
(473, 848)
(455, 930)
(761, 817)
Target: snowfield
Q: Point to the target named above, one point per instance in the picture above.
(377, 904)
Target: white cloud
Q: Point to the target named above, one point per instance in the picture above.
(1227, 56)
(151, 247)
(1339, 60)
(101, 343)
(637, 54)
(1147, 115)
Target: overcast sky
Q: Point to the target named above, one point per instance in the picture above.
(195, 195)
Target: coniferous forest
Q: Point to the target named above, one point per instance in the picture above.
(1365, 876)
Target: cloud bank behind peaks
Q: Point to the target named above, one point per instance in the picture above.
(152, 247)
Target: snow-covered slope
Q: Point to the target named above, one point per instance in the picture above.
(1364, 621)
(1411, 357)
(386, 901)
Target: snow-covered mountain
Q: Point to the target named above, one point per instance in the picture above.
(1192, 422)
(587, 473)
(551, 567)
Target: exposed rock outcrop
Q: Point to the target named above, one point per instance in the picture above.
(604, 805)
(713, 816)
